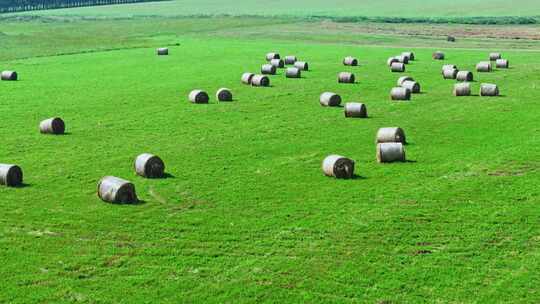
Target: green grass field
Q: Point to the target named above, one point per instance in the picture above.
(247, 215)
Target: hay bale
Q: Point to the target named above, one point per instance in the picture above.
(247, 77)
(489, 89)
(464, 76)
(402, 79)
(484, 66)
(390, 152)
(338, 166)
(9, 75)
(438, 55)
(449, 66)
(403, 59)
(450, 73)
(350, 61)
(271, 56)
(494, 56)
(224, 94)
(391, 60)
(391, 134)
(149, 166)
(502, 63)
(293, 73)
(10, 175)
(413, 86)
(268, 69)
(355, 109)
(400, 93)
(346, 77)
(290, 59)
(462, 89)
(198, 96)
(278, 63)
(260, 81)
(329, 99)
(162, 51)
(53, 125)
(302, 65)
(451, 39)
(397, 67)
(116, 190)
(408, 54)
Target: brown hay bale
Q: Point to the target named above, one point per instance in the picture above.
(9, 75)
(464, 76)
(198, 96)
(350, 61)
(355, 109)
(302, 65)
(489, 89)
(408, 54)
(268, 69)
(502, 63)
(438, 55)
(400, 93)
(293, 73)
(494, 56)
(10, 175)
(53, 125)
(162, 51)
(462, 89)
(402, 79)
(272, 55)
(346, 77)
(149, 166)
(278, 63)
(484, 66)
(390, 152)
(403, 59)
(247, 77)
(338, 166)
(398, 67)
(413, 86)
(449, 66)
(290, 59)
(390, 134)
(260, 81)
(329, 99)
(224, 94)
(450, 73)
(116, 190)
(391, 60)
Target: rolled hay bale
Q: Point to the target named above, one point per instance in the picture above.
(350, 61)
(408, 54)
(438, 55)
(329, 99)
(449, 66)
(149, 166)
(400, 93)
(290, 59)
(402, 79)
(494, 56)
(484, 66)
(413, 86)
(338, 166)
(293, 73)
(271, 56)
(198, 96)
(450, 73)
(403, 59)
(462, 89)
(391, 134)
(116, 190)
(397, 67)
(502, 63)
(489, 89)
(451, 39)
(260, 81)
(247, 77)
(302, 65)
(53, 125)
(391, 61)
(390, 152)
(162, 51)
(268, 69)
(464, 76)
(278, 63)
(346, 77)
(355, 109)
(9, 75)
(224, 94)
(10, 175)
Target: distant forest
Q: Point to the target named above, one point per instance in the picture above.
(7, 6)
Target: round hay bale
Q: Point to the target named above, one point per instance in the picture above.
(450, 73)
(247, 77)
(53, 125)
(451, 39)
(413, 86)
(502, 63)
(355, 109)
(9, 75)
(302, 65)
(149, 166)
(162, 51)
(390, 152)
(10, 175)
(290, 59)
(346, 77)
(338, 166)
(462, 89)
(350, 61)
(278, 63)
(116, 190)
(272, 55)
(402, 79)
(198, 96)
(400, 93)
(391, 134)
(403, 59)
(464, 76)
(449, 66)
(408, 54)
(329, 99)
(391, 60)
(398, 67)
(224, 94)
(260, 81)
(488, 89)
(484, 66)
(293, 73)
(268, 69)
(438, 55)
(494, 56)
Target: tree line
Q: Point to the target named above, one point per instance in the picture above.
(8, 6)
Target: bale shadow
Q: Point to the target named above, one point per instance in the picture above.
(411, 161)
(167, 176)
(22, 185)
